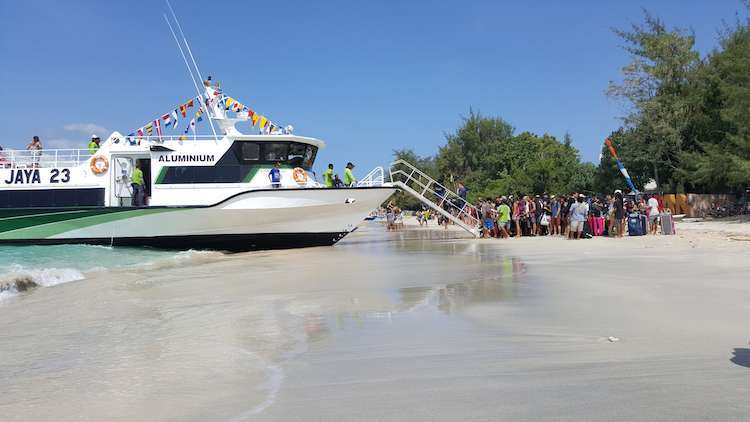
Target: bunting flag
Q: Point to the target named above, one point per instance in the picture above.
(157, 124)
(199, 114)
(167, 119)
(263, 122)
(149, 128)
(254, 117)
(174, 118)
(140, 131)
(192, 125)
(228, 103)
(620, 166)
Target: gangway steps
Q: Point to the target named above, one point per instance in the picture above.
(416, 183)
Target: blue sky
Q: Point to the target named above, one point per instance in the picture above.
(367, 77)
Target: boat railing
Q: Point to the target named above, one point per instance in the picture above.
(45, 158)
(376, 177)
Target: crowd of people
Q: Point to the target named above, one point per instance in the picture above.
(574, 216)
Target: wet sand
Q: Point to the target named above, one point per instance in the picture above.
(414, 325)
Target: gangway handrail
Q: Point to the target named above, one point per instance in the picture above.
(376, 177)
(447, 199)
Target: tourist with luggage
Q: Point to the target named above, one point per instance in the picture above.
(653, 214)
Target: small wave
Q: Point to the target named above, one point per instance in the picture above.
(20, 279)
(181, 259)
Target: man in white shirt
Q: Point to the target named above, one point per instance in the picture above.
(653, 214)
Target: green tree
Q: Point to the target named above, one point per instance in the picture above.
(655, 84)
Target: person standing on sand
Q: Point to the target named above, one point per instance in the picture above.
(503, 218)
(653, 214)
(619, 207)
(489, 220)
(554, 211)
(578, 212)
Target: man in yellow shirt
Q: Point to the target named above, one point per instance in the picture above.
(328, 177)
(349, 179)
(136, 182)
(94, 144)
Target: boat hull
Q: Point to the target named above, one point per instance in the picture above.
(252, 220)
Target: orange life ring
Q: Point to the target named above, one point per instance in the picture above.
(99, 164)
(300, 175)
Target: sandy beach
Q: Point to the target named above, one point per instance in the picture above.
(413, 325)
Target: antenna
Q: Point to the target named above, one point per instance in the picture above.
(184, 58)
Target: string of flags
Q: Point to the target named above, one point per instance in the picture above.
(171, 119)
(264, 124)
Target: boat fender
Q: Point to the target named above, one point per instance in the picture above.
(99, 164)
(300, 175)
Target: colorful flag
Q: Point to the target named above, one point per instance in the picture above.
(140, 131)
(620, 166)
(263, 122)
(228, 103)
(149, 128)
(199, 114)
(183, 110)
(157, 124)
(253, 116)
(192, 125)
(167, 119)
(174, 118)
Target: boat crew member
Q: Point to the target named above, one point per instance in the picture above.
(94, 144)
(328, 176)
(275, 176)
(349, 179)
(136, 182)
(35, 146)
(337, 183)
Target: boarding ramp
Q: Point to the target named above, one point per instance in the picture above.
(376, 177)
(436, 196)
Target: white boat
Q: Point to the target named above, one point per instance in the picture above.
(203, 192)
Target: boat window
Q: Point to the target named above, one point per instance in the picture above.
(296, 155)
(273, 151)
(250, 151)
(310, 153)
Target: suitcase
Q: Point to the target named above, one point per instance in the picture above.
(636, 225)
(667, 224)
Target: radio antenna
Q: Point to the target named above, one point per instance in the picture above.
(184, 58)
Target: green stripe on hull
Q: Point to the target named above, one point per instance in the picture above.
(52, 224)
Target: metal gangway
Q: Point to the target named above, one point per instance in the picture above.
(436, 196)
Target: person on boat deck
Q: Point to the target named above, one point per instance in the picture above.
(35, 146)
(349, 179)
(94, 144)
(209, 83)
(337, 183)
(274, 176)
(136, 182)
(328, 176)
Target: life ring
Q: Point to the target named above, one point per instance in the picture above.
(99, 164)
(300, 175)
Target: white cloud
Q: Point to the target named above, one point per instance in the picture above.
(88, 129)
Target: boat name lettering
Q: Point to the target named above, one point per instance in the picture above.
(33, 176)
(192, 158)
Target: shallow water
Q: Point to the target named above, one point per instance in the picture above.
(194, 336)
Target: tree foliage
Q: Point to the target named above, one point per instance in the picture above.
(486, 155)
(688, 125)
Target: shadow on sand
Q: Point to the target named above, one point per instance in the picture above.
(741, 357)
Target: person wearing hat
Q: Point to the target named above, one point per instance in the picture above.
(94, 144)
(349, 179)
(328, 176)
